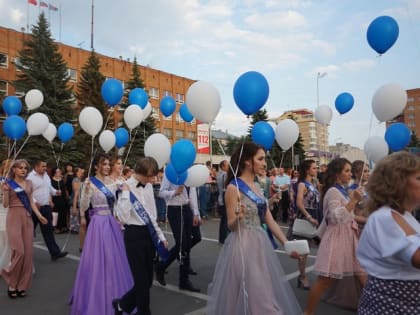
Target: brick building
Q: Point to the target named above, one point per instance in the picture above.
(157, 83)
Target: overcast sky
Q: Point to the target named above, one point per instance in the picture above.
(289, 41)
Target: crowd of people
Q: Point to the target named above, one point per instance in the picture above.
(366, 231)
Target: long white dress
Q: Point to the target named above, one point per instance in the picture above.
(4, 243)
(248, 278)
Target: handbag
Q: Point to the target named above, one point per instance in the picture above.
(299, 246)
(303, 228)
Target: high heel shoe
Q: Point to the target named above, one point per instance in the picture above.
(12, 294)
(302, 284)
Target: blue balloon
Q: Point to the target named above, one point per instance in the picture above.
(14, 127)
(167, 105)
(185, 113)
(112, 91)
(263, 134)
(65, 132)
(250, 92)
(12, 105)
(182, 155)
(382, 33)
(173, 176)
(397, 136)
(344, 102)
(121, 137)
(138, 96)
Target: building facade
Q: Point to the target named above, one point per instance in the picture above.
(158, 84)
(314, 135)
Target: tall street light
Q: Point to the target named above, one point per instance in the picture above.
(319, 75)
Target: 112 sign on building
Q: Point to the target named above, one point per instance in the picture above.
(203, 138)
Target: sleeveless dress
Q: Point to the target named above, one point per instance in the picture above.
(248, 278)
(103, 273)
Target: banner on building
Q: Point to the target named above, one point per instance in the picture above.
(203, 138)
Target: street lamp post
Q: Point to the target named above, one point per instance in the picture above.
(319, 75)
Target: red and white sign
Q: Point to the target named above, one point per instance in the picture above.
(203, 138)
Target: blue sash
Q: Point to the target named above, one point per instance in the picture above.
(342, 190)
(110, 198)
(142, 213)
(261, 205)
(21, 194)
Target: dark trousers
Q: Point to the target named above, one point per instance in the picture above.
(195, 235)
(140, 253)
(285, 204)
(180, 220)
(47, 230)
(223, 228)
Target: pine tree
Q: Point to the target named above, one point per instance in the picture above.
(89, 94)
(146, 128)
(42, 67)
(414, 141)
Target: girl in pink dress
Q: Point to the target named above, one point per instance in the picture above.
(336, 256)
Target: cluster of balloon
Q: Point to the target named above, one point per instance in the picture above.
(181, 158)
(34, 99)
(185, 113)
(112, 91)
(167, 106)
(139, 97)
(158, 147)
(50, 133)
(12, 105)
(286, 133)
(250, 92)
(397, 136)
(203, 101)
(107, 140)
(37, 123)
(133, 116)
(389, 101)
(382, 33)
(263, 134)
(376, 148)
(14, 127)
(173, 176)
(90, 120)
(344, 102)
(121, 137)
(323, 114)
(197, 175)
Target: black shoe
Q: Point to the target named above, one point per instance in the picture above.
(60, 255)
(189, 287)
(115, 306)
(192, 272)
(160, 276)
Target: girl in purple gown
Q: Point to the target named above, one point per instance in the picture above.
(103, 272)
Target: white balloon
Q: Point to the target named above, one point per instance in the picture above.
(34, 99)
(90, 120)
(287, 132)
(37, 123)
(323, 114)
(203, 101)
(107, 140)
(133, 116)
(389, 101)
(376, 148)
(147, 110)
(50, 133)
(158, 147)
(197, 175)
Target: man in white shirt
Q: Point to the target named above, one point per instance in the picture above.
(42, 192)
(137, 237)
(182, 214)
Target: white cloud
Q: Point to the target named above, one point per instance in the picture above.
(16, 16)
(358, 65)
(276, 20)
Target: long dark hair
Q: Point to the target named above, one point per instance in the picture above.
(243, 153)
(98, 160)
(334, 168)
(304, 168)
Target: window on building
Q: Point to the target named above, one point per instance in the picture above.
(3, 87)
(154, 92)
(411, 107)
(410, 99)
(410, 116)
(17, 63)
(155, 112)
(179, 98)
(3, 60)
(72, 74)
(191, 135)
(167, 132)
(178, 118)
(411, 124)
(167, 93)
(19, 93)
(179, 134)
(167, 117)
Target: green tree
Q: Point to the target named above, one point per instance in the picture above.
(146, 128)
(414, 142)
(42, 67)
(89, 94)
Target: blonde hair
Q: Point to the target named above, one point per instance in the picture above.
(15, 164)
(388, 182)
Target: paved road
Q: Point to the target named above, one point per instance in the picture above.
(53, 281)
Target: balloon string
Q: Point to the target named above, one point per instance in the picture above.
(129, 147)
(20, 149)
(107, 119)
(91, 158)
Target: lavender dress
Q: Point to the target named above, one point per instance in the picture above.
(248, 278)
(103, 273)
